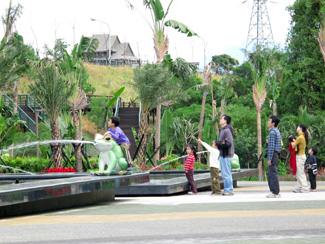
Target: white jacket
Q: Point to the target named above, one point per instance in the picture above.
(214, 155)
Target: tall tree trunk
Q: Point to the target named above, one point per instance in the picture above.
(157, 134)
(78, 155)
(321, 41)
(259, 101)
(143, 132)
(161, 49)
(259, 145)
(16, 85)
(222, 108)
(56, 147)
(274, 108)
(201, 122)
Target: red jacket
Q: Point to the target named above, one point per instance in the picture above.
(189, 163)
(292, 161)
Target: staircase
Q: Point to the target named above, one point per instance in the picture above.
(26, 107)
(129, 117)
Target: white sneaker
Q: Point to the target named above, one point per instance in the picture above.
(271, 195)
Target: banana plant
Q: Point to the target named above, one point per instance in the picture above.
(8, 126)
(161, 44)
(110, 103)
(167, 131)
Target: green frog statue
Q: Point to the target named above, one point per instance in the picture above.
(111, 159)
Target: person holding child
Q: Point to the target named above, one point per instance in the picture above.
(300, 144)
(227, 152)
(214, 165)
(189, 167)
(312, 168)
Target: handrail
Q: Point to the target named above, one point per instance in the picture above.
(21, 114)
(117, 107)
(30, 102)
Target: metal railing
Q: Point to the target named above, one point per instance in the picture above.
(27, 100)
(30, 124)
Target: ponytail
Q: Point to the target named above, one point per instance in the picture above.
(305, 131)
(193, 148)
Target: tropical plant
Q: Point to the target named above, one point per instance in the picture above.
(52, 91)
(260, 60)
(110, 103)
(151, 82)
(161, 44)
(167, 131)
(185, 131)
(8, 125)
(304, 74)
(72, 68)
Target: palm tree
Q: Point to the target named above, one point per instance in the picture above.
(53, 91)
(161, 44)
(71, 66)
(151, 82)
(260, 62)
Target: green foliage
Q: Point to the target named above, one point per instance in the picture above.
(193, 112)
(224, 63)
(304, 74)
(209, 129)
(97, 111)
(8, 125)
(315, 125)
(30, 164)
(52, 91)
(246, 148)
(22, 138)
(153, 81)
(171, 165)
(167, 131)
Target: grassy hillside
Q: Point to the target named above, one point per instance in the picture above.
(107, 80)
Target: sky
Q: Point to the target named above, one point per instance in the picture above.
(222, 25)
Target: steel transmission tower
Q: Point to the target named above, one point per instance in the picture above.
(259, 32)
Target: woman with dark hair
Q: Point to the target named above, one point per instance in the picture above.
(300, 144)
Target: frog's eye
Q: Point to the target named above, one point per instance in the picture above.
(108, 138)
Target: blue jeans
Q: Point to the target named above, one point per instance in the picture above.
(225, 165)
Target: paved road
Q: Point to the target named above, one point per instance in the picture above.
(247, 217)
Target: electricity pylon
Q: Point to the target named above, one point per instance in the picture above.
(260, 31)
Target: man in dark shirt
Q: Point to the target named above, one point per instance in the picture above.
(273, 151)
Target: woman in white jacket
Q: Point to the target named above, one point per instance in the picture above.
(214, 166)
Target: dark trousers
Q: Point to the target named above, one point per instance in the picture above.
(215, 184)
(312, 179)
(272, 175)
(190, 178)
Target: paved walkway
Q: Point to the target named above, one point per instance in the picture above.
(246, 217)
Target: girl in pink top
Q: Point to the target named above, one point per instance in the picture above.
(189, 166)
